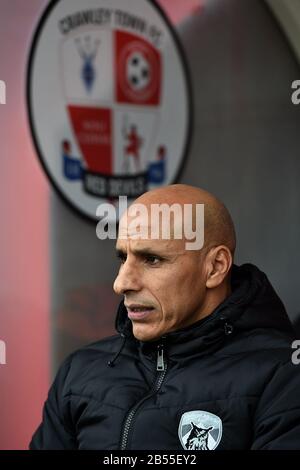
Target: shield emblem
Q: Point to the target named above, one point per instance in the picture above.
(103, 68)
(200, 430)
(109, 100)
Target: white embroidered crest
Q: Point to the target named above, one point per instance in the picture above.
(200, 430)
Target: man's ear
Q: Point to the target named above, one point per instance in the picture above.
(219, 261)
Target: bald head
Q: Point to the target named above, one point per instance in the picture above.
(219, 227)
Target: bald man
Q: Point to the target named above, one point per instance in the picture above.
(203, 356)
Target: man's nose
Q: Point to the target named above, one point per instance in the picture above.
(128, 279)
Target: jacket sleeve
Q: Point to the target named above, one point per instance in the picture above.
(54, 433)
(277, 417)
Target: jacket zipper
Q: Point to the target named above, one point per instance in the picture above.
(161, 368)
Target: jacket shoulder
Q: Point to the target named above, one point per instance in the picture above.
(80, 362)
(97, 351)
(271, 345)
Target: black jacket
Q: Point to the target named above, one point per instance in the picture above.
(226, 382)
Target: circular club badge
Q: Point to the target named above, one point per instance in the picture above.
(109, 100)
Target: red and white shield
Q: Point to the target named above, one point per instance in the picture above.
(126, 72)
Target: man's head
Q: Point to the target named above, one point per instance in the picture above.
(166, 286)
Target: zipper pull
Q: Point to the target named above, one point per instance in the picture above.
(160, 358)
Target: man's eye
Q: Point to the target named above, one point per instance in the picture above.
(151, 259)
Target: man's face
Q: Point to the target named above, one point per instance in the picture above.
(163, 284)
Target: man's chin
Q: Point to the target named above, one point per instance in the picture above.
(142, 332)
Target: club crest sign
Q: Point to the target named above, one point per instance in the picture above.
(200, 430)
(109, 99)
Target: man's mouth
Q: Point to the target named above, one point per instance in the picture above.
(138, 312)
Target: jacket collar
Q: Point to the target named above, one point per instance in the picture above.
(252, 303)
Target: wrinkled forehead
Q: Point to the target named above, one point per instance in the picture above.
(164, 222)
(145, 236)
(155, 221)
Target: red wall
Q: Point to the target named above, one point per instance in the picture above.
(24, 244)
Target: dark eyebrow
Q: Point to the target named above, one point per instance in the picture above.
(142, 253)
